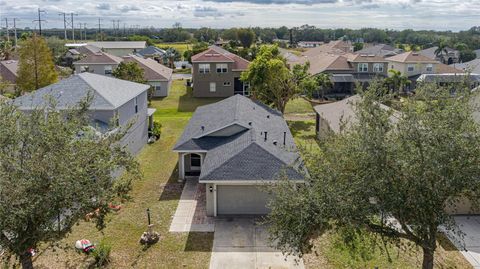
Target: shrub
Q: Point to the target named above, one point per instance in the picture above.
(102, 254)
(157, 129)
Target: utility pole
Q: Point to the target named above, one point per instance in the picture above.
(99, 35)
(73, 26)
(85, 31)
(64, 24)
(80, 28)
(39, 21)
(15, 31)
(6, 26)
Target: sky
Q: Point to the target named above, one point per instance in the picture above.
(452, 15)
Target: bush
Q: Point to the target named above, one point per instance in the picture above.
(157, 129)
(102, 254)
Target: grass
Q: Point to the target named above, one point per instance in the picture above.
(180, 47)
(298, 106)
(159, 191)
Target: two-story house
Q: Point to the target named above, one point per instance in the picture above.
(119, 48)
(448, 56)
(216, 73)
(115, 103)
(100, 63)
(366, 67)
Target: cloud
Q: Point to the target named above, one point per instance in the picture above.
(201, 11)
(280, 2)
(103, 6)
(128, 8)
(370, 6)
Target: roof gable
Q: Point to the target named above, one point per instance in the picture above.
(411, 57)
(152, 69)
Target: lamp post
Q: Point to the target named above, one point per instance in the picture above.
(148, 216)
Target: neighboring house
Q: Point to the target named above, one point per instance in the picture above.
(112, 99)
(151, 52)
(119, 48)
(76, 53)
(472, 67)
(235, 146)
(382, 50)
(309, 44)
(8, 73)
(413, 64)
(335, 47)
(332, 117)
(158, 76)
(216, 73)
(449, 57)
(346, 70)
(451, 79)
(100, 63)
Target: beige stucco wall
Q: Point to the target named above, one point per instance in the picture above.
(420, 68)
(98, 69)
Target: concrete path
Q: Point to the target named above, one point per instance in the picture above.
(241, 243)
(176, 76)
(191, 215)
(469, 246)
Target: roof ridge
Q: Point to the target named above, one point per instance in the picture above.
(81, 75)
(235, 110)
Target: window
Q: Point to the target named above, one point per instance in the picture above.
(108, 70)
(363, 67)
(410, 67)
(378, 67)
(204, 68)
(222, 68)
(158, 88)
(213, 87)
(83, 68)
(429, 67)
(135, 101)
(227, 83)
(195, 160)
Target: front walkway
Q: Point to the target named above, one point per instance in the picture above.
(469, 246)
(191, 214)
(243, 243)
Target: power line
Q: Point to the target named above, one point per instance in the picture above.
(15, 31)
(64, 23)
(40, 20)
(73, 25)
(6, 27)
(99, 35)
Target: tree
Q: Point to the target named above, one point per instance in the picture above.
(6, 50)
(387, 174)
(129, 71)
(357, 46)
(441, 50)
(205, 34)
(467, 55)
(196, 48)
(54, 171)
(246, 37)
(271, 81)
(170, 56)
(396, 82)
(35, 67)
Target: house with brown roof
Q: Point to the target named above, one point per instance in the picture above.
(156, 75)
(449, 56)
(216, 73)
(100, 63)
(8, 73)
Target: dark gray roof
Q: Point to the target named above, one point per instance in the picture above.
(232, 132)
(382, 50)
(449, 78)
(108, 93)
(151, 50)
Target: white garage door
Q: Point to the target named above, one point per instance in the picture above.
(241, 200)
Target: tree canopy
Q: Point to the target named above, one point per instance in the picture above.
(36, 68)
(388, 173)
(271, 81)
(129, 71)
(53, 171)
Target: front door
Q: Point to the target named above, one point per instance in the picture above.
(195, 162)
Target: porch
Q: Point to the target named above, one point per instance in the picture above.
(189, 165)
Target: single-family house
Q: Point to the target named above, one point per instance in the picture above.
(382, 50)
(450, 56)
(472, 66)
(8, 73)
(115, 103)
(158, 76)
(234, 147)
(309, 44)
(119, 48)
(101, 63)
(216, 73)
(152, 52)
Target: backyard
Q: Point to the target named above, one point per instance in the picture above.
(159, 191)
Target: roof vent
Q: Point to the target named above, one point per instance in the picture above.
(415, 54)
(265, 135)
(250, 123)
(275, 142)
(203, 128)
(268, 116)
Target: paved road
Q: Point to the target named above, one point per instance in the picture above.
(470, 245)
(241, 243)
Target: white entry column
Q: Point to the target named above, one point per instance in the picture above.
(181, 167)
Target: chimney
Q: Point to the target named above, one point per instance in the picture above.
(284, 138)
(265, 136)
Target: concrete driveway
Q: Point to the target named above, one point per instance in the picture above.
(469, 246)
(241, 243)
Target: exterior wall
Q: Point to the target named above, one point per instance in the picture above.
(98, 69)
(370, 69)
(209, 199)
(322, 128)
(164, 87)
(103, 115)
(137, 136)
(120, 52)
(201, 82)
(420, 68)
(462, 207)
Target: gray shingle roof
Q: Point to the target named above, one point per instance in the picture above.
(151, 50)
(119, 44)
(108, 93)
(233, 135)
